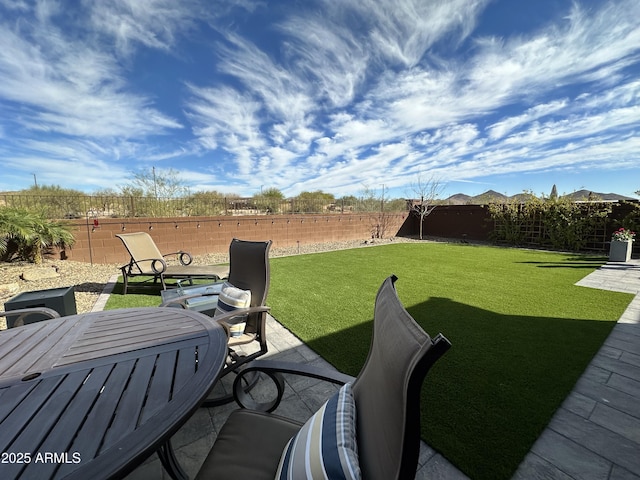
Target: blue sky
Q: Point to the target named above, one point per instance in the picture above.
(329, 95)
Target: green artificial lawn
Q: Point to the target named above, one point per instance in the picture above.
(522, 333)
(149, 296)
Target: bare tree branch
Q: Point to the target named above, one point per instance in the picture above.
(424, 201)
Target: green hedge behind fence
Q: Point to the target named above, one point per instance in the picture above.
(561, 224)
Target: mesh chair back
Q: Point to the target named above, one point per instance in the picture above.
(387, 390)
(141, 247)
(249, 270)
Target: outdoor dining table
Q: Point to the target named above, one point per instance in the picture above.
(93, 395)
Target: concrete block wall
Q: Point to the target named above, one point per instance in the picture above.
(96, 240)
(458, 221)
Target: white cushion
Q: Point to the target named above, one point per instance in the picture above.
(325, 447)
(230, 299)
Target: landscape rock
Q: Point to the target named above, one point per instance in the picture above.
(7, 289)
(35, 274)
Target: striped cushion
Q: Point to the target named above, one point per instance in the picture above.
(325, 447)
(230, 299)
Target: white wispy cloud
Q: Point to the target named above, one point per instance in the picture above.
(330, 61)
(157, 24)
(282, 93)
(324, 66)
(583, 49)
(59, 171)
(329, 96)
(503, 127)
(403, 31)
(70, 87)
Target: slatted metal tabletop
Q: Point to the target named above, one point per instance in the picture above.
(93, 395)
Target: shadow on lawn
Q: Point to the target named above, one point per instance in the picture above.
(142, 287)
(489, 398)
(138, 288)
(590, 262)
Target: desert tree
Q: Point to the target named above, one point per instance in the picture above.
(156, 192)
(312, 202)
(54, 201)
(206, 202)
(379, 209)
(270, 200)
(425, 197)
(157, 184)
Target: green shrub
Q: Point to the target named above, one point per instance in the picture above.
(25, 235)
(631, 221)
(559, 223)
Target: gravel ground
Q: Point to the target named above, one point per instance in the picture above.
(90, 280)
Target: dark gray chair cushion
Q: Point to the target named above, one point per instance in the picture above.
(268, 436)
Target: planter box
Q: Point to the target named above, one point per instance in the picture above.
(620, 251)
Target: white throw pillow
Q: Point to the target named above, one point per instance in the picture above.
(232, 298)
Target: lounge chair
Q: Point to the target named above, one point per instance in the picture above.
(248, 272)
(146, 260)
(380, 408)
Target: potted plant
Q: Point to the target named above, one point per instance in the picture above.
(621, 243)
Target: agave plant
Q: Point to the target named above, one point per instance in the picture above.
(26, 235)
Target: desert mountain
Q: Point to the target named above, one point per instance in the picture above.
(491, 196)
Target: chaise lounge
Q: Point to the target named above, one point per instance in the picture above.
(146, 260)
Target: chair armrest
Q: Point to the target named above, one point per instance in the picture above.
(43, 310)
(240, 312)
(25, 312)
(227, 317)
(274, 369)
(153, 261)
(302, 369)
(185, 258)
(181, 300)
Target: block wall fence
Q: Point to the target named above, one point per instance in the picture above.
(96, 240)
(474, 222)
(97, 243)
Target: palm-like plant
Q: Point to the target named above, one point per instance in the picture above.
(14, 229)
(25, 234)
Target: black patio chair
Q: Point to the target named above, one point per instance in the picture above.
(256, 445)
(249, 271)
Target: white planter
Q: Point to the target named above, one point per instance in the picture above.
(620, 251)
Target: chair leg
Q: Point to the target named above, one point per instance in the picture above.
(235, 366)
(125, 280)
(251, 381)
(170, 462)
